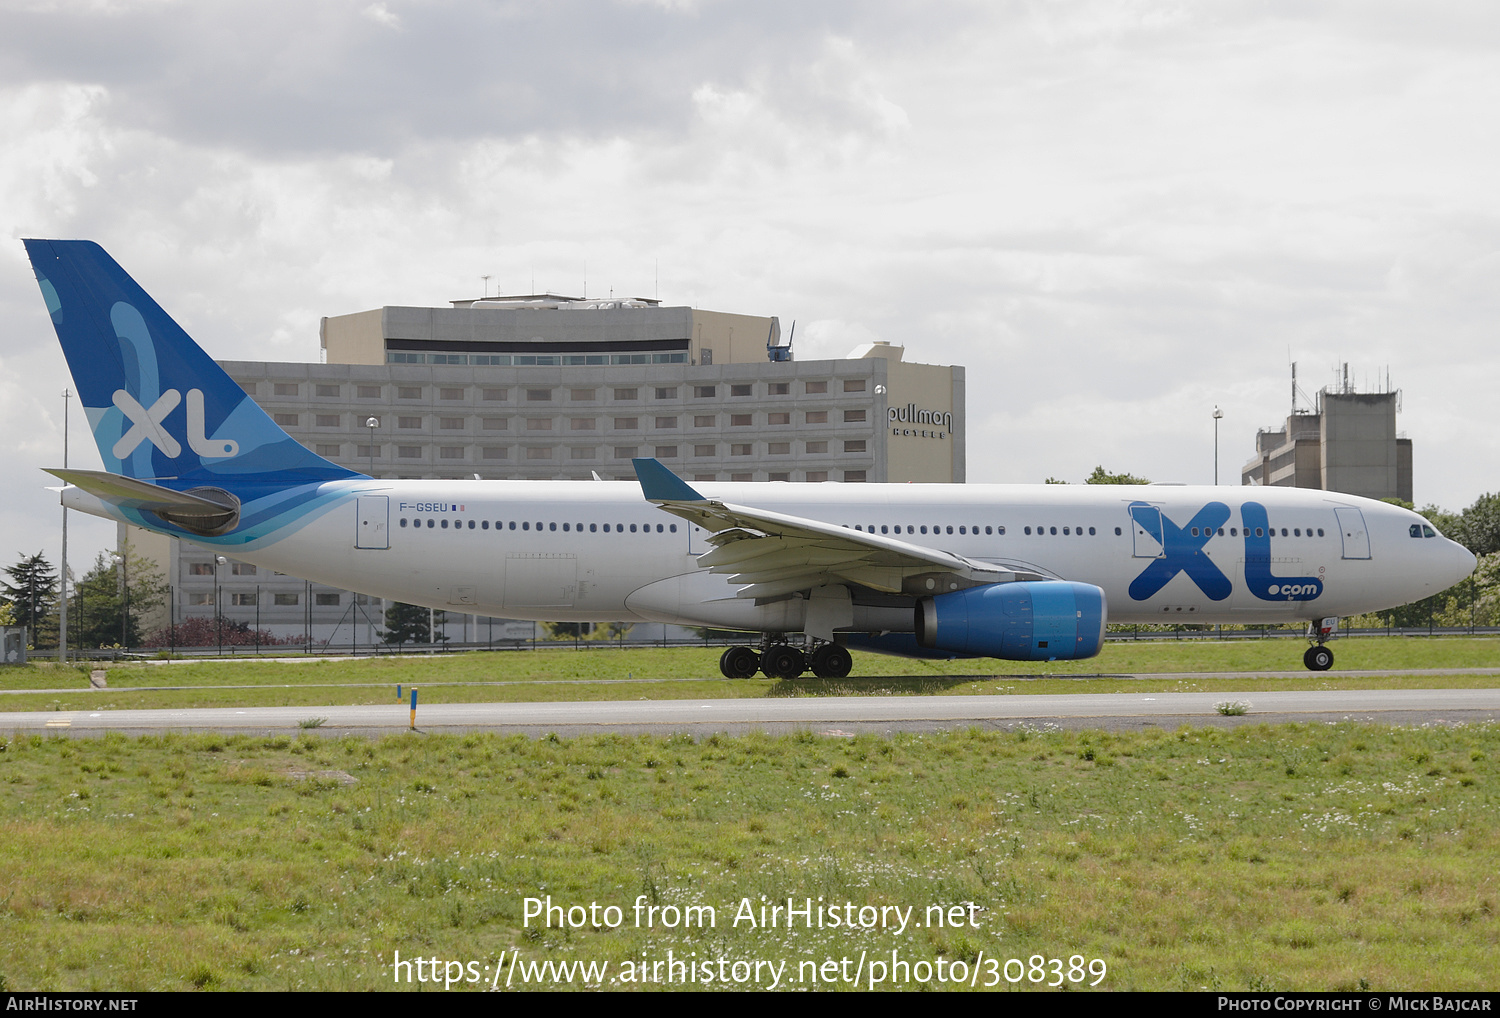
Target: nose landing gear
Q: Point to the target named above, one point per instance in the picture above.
(1318, 657)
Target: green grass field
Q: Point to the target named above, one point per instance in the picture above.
(1312, 857)
(680, 673)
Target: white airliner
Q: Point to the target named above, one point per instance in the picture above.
(1027, 573)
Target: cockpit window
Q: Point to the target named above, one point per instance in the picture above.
(1415, 530)
(1428, 531)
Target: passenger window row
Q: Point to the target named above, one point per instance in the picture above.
(912, 528)
(618, 528)
(1259, 532)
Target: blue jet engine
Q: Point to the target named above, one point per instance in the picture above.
(1054, 620)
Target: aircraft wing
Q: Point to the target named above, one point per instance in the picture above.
(772, 554)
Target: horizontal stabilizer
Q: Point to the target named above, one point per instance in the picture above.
(205, 511)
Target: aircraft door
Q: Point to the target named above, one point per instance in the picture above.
(1352, 529)
(1145, 524)
(373, 529)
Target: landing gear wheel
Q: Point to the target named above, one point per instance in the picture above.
(739, 663)
(831, 661)
(783, 662)
(1318, 659)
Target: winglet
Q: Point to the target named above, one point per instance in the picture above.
(659, 484)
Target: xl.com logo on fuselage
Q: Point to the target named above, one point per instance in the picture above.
(1184, 551)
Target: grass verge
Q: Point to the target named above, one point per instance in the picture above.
(1317, 857)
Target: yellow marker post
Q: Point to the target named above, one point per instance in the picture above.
(414, 708)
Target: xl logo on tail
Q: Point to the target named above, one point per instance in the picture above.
(146, 426)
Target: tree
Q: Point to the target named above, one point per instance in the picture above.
(105, 610)
(1101, 476)
(408, 623)
(32, 593)
(1478, 527)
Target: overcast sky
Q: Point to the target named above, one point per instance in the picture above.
(1115, 215)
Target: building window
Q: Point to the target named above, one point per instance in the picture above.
(583, 452)
(493, 423)
(747, 449)
(705, 391)
(201, 569)
(779, 449)
(812, 388)
(625, 452)
(627, 394)
(449, 394)
(742, 477)
(409, 423)
(584, 423)
(705, 450)
(854, 385)
(366, 451)
(775, 419)
(783, 475)
(328, 390)
(817, 447)
(627, 423)
(705, 477)
(854, 475)
(243, 599)
(249, 387)
(368, 391)
(496, 395)
(741, 420)
(326, 420)
(705, 420)
(741, 390)
(666, 422)
(451, 452)
(288, 599)
(539, 453)
(285, 388)
(328, 450)
(285, 420)
(197, 599)
(853, 416)
(778, 388)
(451, 423)
(817, 475)
(366, 599)
(538, 395)
(666, 452)
(409, 392)
(327, 599)
(538, 424)
(666, 392)
(241, 569)
(495, 452)
(409, 452)
(858, 445)
(817, 417)
(581, 395)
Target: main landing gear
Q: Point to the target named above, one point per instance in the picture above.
(1318, 657)
(783, 661)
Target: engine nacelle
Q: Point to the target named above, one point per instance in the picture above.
(1051, 620)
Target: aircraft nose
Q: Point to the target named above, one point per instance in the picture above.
(1463, 561)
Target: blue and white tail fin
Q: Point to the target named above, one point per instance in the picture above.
(160, 409)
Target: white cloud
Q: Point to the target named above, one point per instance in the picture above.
(1114, 215)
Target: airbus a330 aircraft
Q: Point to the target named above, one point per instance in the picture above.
(1025, 573)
